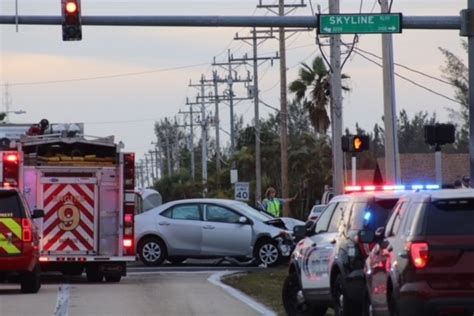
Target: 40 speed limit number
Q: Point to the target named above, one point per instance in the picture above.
(242, 191)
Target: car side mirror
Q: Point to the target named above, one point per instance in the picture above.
(38, 214)
(366, 236)
(243, 220)
(299, 232)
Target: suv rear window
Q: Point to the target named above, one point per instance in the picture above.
(379, 211)
(10, 205)
(450, 217)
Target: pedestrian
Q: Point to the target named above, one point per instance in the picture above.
(273, 205)
(466, 182)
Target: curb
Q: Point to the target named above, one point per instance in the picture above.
(215, 279)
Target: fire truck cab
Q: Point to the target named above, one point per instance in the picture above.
(85, 185)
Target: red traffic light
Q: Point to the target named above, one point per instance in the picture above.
(71, 7)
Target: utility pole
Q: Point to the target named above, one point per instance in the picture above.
(336, 105)
(152, 167)
(392, 160)
(285, 187)
(191, 139)
(7, 102)
(215, 78)
(231, 79)
(255, 93)
(159, 166)
(146, 171)
(168, 156)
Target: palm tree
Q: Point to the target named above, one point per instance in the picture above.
(315, 80)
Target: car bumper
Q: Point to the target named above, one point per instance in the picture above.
(18, 263)
(420, 299)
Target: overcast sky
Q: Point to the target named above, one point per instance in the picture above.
(127, 106)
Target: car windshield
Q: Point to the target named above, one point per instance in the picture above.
(450, 217)
(10, 204)
(251, 212)
(371, 215)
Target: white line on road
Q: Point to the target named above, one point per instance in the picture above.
(262, 309)
(62, 304)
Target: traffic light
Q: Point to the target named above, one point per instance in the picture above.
(71, 20)
(440, 134)
(355, 143)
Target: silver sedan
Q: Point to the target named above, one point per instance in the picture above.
(211, 228)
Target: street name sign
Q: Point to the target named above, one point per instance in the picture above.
(360, 23)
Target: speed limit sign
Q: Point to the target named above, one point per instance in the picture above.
(242, 191)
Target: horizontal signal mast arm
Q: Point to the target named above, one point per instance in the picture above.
(408, 22)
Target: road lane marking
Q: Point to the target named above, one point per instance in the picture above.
(62, 303)
(244, 298)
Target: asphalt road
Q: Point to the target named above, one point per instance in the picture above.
(141, 293)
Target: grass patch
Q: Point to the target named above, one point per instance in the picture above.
(265, 286)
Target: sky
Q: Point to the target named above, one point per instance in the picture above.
(133, 76)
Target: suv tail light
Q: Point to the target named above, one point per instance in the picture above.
(27, 230)
(419, 252)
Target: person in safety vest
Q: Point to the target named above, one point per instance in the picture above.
(273, 205)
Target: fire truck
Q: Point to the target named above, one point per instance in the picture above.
(85, 186)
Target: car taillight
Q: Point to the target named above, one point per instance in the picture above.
(27, 231)
(419, 252)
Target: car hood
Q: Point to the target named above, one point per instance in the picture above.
(286, 223)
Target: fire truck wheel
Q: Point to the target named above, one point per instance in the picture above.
(152, 251)
(31, 281)
(113, 278)
(94, 275)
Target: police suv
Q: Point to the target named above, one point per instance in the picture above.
(331, 255)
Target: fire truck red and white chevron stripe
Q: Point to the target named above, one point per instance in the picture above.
(63, 203)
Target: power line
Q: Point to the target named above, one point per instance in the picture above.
(407, 68)
(129, 74)
(410, 80)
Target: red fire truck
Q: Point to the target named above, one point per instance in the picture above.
(85, 185)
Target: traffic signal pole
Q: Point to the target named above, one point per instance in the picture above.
(467, 29)
(392, 160)
(464, 22)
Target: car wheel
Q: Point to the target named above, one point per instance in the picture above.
(176, 260)
(152, 251)
(93, 273)
(343, 306)
(293, 299)
(31, 281)
(267, 253)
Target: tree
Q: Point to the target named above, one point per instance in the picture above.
(457, 73)
(313, 89)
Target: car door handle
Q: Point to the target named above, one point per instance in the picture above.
(164, 224)
(208, 227)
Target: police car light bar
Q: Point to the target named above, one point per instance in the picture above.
(398, 187)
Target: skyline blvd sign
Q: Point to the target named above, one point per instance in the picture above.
(360, 23)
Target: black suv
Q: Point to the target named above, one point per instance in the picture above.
(364, 213)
